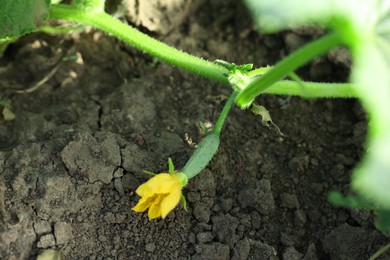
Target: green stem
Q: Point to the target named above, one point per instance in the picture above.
(194, 64)
(380, 252)
(141, 41)
(288, 64)
(312, 89)
(225, 111)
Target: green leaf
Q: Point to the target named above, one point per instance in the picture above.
(171, 167)
(382, 221)
(183, 202)
(272, 16)
(149, 173)
(371, 75)
(18, 17)
(4, 103)
(349, 201)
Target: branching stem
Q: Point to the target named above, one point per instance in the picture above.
(288, 64)
(268, 82)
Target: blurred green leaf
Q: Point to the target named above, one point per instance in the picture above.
(371, 76)
(350, 201)
(382, 221)
(4, 103)
(18, 17)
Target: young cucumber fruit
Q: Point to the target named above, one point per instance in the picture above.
(202, 155)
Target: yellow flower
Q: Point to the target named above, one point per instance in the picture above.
(161, 193)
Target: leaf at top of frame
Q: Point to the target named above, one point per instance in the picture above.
(272, 16)
(18, 17)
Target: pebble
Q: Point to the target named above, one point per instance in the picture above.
(118, 173)
(226, 204)
(290, 201)
(204, 237)
(42, 227)
(311, 253)
(150, 247)
(300, 217)
(46, 241)
(292, 254)
(118, 186)
(202, 212)
(241, 249)
(130, 182)
(62, 232)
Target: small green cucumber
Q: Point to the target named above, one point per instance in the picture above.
(202, 155)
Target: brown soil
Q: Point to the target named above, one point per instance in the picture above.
(73, 157)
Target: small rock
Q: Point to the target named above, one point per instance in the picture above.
(259, 197)
(62, 232)
(215, 251)
(300, 218)
(150, 247)
(130, 182)
(92, 158)
(292, 254)
(260, 250)
(118, 186)
(224, 226)
(42, 227)
(193, 196)
(256, 219)
(120, 218)
(109, 217)
(203, 226)
(118, 173)
(226, 204)
(202, 212)
(46, 241)
(348, 242)
(241, 250)
(362, 217)
(102, 238)
(289, 201)
(204, 237)
(286, 239)
(311, 253)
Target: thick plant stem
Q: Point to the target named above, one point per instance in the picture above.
(141, 41)
(225, 111)
(288, 64)
(199, 66)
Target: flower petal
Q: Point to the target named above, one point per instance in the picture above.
(162, 183)
(155, 208)
(143, 204)
(144, 191)
(170, 202)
